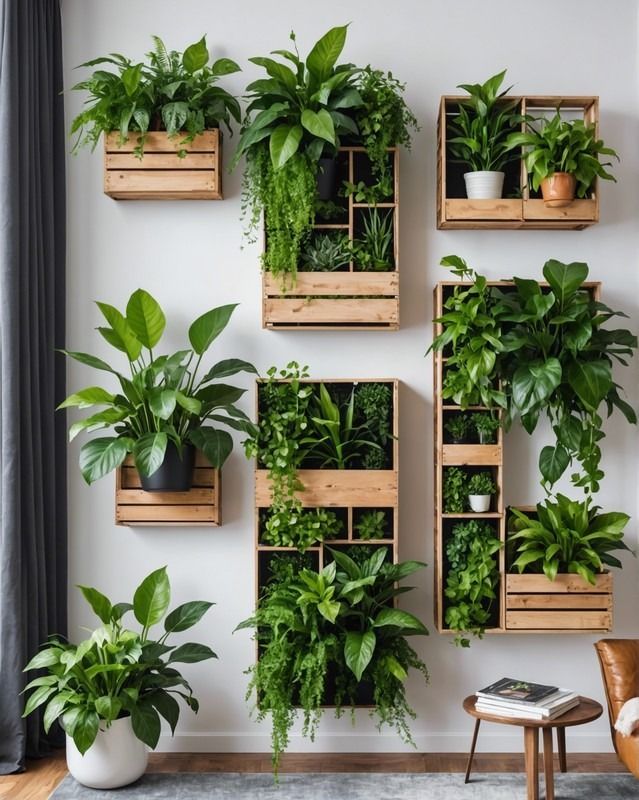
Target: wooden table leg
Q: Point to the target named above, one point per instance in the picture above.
(531, 756)
(548, 765)
(561, 748)
(472, 751)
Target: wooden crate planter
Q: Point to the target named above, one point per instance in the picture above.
(569, 603)
(161, 174)
(342, 300)
(201, 506)
(456, 211)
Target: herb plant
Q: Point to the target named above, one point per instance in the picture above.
(458, 427)
(300, 528)
(486, 426)
(374, 402)
(163, 400)
(372, 524)
(174, 92)
(481, 483)
(373, 250)
(326, 253)
(119, 672)
(454, 490)
(567, 536)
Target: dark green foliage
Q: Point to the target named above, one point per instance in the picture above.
(486, 426)
(326, 253)
(373, 250)
(372, 524)
(458, 427)
(481, 483)
(454, 490)
(374, 402)
(173, 91)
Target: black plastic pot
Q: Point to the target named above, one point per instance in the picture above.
(326, 177)
(175, 474)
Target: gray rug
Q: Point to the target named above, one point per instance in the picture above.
(354, 786)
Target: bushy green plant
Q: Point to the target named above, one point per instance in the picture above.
(373, 249)
(486, 426)
(374, 403)
(454, 490)
(175, 92)
(481, 483)
(163, 400)
(567, 536)
(561, 145)
(478, 135)
(372, 524)
(326, 253)
(336, 622)
(119, 672)
(472, 578)
(458, 427)
(291, 526)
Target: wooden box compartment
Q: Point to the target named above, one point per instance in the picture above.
(348, 298)
(569, 603)
(161, 174)
(201, 506)
(523, 208)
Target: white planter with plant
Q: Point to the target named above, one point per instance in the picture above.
(481, 488)
(110, 690)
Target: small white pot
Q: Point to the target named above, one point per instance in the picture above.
(484, 185)
(479, 503)
(116, 758)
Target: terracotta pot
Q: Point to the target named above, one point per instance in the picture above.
(558, 190)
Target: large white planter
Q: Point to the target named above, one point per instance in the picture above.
(479, 503)
(116, 758)
(484, 185)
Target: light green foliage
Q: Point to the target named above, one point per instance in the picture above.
(373, 250)
(118, 671)
(372, 525)
(478, 135)
(486, 426)
(560, 145)
(291, 526)
(326, 253)
(163, 400)
(172, 91)
(481, 483)
(567, 536)
(454, 490)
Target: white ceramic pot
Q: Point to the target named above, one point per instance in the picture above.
(479, 503)
(484, 185)
(116, 758)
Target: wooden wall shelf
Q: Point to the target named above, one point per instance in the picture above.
(456, 211)
(346, 299)
(161, 174)
(199, 507)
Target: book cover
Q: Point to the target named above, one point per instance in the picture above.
(556, 698)
(527, 713)
(518, 690)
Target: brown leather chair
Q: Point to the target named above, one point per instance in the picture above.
(619, 660)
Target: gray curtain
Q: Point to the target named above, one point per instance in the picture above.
(33, 558)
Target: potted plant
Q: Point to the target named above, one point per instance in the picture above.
(373, 249)
(480, 488)
(326, 252)
(323, 636)
(163, 410)
(110, 690)
(372, 524)
(478, 136)
(562, 158)
(458, 427)
(486, 426)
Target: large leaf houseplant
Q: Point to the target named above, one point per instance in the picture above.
(162, 407)
(118, 677)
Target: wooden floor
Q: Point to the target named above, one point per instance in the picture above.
(43, 776)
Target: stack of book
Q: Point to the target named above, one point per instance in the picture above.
(525, 700)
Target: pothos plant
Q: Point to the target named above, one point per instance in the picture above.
(538, 351)
(162, 400)
(335, 626)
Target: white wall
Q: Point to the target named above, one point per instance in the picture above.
(190, 256)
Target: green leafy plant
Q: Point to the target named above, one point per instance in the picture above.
(486, 426)
(481, 483)
(338, 622)
(119, 672)
(163, 400)
(329, 210)
(560, 145)
(458, 427)
(374, 403)
(454, 490)
(372, 524)
(371, 195)
(568, 536)
(326, 253)
(373, 250)
(478, 135)
(472, 578)
(174, 92)
(300, 528)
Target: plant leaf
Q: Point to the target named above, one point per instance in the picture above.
(195, 56)
(146, 723)
(149, 451)
(145, 318)
(284, 143)
(325, 52)
(208, 327)
(229, 366)
(100, 604)
(215, 444)
(185, 616)
(191, 653)
(101, 456)
(152, 597)
(358, 651)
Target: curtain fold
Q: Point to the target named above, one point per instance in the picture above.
(33, 514)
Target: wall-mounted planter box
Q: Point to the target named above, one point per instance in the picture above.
(161, 174)
(522, 209)
(569, 603)
(348, 298)
(201, 506)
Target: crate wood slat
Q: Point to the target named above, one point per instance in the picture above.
(563, 583)
(353, 299)
(460, 213)
(161, 174)
(468, 455)
(566, 621)
(538, 602)
(200, 506)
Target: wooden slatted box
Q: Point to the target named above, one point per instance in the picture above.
(161, 174)
(201, 506)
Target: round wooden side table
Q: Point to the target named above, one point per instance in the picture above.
(587, 711)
